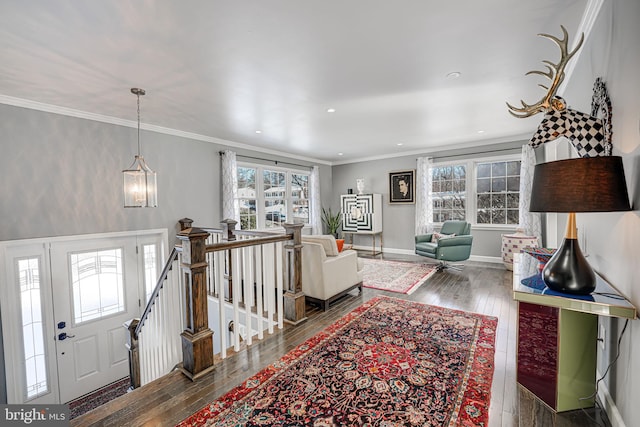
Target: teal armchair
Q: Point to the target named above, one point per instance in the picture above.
(447, 249)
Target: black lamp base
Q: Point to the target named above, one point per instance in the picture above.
(568, 271)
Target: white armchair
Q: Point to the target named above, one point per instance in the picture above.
(326, 273)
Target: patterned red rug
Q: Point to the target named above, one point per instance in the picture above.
(395, 276)
(390, 362)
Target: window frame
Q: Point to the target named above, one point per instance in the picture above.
(471, 166)
(260, 196)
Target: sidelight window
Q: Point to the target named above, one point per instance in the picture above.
(35, 357)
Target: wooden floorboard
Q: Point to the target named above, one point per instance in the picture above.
(480, 288)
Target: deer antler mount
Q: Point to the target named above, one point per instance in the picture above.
(585, 132)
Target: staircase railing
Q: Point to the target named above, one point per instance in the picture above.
(154, 343)
(252, 280)
(246, 285)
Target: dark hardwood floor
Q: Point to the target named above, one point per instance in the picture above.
(479, 287)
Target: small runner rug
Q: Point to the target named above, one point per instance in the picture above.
(395, 276)
(97, 398)
(389, 362)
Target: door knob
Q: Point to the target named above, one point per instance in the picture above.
(63, 336)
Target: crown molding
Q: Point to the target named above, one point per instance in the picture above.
(589, 17)
(426, 151)
(55, 109)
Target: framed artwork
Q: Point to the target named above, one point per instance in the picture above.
(402, 187)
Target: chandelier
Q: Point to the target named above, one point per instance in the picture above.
(139, 181)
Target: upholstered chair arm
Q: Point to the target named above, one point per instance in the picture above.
(423, 237)
(455, 241)
(339, 272)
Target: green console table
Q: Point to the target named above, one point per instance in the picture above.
(557, 336)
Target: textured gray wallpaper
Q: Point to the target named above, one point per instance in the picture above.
(62, 176)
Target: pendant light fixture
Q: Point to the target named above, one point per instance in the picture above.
(140, 189)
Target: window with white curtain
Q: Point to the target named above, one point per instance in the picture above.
(269, 196)
(482, 192)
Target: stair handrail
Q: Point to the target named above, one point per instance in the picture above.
(159, 284)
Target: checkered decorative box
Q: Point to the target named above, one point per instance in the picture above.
(513, 243)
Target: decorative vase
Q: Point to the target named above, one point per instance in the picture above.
(513, 243)
(360, 185)
(340, 243)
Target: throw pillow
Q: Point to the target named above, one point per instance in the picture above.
(437, 236)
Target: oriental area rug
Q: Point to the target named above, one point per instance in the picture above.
(395, 276)
(389, 362)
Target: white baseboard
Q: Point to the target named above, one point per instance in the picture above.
(491, 259)
(609, 405)
(389, 250)
(478, 258)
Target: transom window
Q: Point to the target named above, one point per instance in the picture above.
(481, 192)
(280, 196)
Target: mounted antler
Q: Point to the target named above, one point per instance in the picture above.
(555, 73)
(585, 132)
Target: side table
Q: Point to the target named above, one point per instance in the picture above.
(557, 336)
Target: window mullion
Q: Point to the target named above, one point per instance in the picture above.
(260, 199)
(471, 192)
(288, 198)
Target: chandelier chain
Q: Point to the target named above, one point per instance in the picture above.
(138, 94)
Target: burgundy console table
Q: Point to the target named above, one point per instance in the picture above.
(557, 336)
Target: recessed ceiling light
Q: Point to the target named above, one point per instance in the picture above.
(340, 154)
(480, 131)
(331, 110)
(454, 75)
(258, 131)
(400, 144)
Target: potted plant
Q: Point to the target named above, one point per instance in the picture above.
(331, 221)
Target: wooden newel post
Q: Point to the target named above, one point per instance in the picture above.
(185, 223)
(294, 301)
(197, 338)
(134, 353)
(228, 229)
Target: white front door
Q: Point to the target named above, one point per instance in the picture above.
(64, 301)
(95, 290)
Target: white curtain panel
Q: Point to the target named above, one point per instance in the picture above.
(315, 219)
(530, 222)
(230, 207)
(424, 204)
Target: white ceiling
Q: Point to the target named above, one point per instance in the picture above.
(224, 69)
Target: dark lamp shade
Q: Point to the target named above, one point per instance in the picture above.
(587, 184)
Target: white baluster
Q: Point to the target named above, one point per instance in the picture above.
(279, 280)
(235, 255)
(257, 256)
